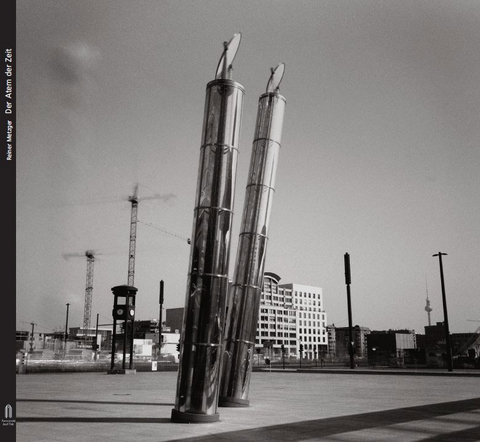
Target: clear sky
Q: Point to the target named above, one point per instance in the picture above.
(380, 153)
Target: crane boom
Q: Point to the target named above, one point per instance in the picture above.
(87, 311)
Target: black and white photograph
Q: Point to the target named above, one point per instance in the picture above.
(242, 220)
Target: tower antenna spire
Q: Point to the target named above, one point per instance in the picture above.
(428, 309)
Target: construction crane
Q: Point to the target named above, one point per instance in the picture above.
(87, 310)
(133, 236)
(133, 228)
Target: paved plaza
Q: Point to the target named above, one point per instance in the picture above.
(285, 406)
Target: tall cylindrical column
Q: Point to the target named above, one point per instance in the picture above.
(204, 316)
(244, 300)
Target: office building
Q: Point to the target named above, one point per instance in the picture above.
(291, 315)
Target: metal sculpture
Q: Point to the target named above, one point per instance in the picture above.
(244, 299)
(204, 315)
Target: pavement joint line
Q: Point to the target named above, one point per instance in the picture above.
(161, 404)
(372, 372)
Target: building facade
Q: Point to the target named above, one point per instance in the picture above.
(174, 319)
(339, 337)
(291, 315)
(387, 347)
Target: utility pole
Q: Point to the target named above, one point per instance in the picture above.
(160, 301)
(349, 303)
(445, 314)
(66, 330)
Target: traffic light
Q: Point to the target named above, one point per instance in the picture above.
(283, 348)
(301, 347)
(178, 347)
(124, 312)
(119, 312)
(130, 312)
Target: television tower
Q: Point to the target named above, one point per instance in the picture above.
(428, 309)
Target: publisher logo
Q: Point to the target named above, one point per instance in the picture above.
(8, 414)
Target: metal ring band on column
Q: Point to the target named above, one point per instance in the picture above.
(272, 94)
(251, 286)
(228, 83)
(240, 340)
(254, 233)
(266, 139)
(203, 344)
(261, 185)
(230, 147)
(210, 275)
(219, 209)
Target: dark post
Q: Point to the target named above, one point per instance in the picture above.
(283, 356)
(132, 336)
(125, 328)
(445, 314)
(66, 332)
(349, 303)
(32, 337)
(95, 344)
(114, 339)
(160, 301)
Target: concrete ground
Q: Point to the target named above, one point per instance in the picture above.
(285, 406)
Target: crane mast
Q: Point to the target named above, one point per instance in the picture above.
(87, 311)
(133, 236)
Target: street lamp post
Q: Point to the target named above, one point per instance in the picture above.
(66, 331)
(95, 344)
(160, 301)
(349, 304)
(445, 314)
